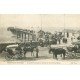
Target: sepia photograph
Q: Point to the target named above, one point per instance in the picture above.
(40, 38)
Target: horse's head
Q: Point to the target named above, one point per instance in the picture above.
(51, 50)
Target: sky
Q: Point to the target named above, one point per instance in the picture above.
(47, 22)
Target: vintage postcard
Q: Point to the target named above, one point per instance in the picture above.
(39, 38)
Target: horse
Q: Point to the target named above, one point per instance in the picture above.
(28, 49)
(57, 51)
(41, 43)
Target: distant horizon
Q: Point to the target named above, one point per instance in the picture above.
(48, 22)
(52, 29)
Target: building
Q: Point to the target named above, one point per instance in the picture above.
(23, 35)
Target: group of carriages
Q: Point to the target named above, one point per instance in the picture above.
(18, 51)
(68, 50)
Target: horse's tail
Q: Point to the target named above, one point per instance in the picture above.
(50, 51)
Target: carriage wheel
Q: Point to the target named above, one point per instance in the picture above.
(20, 56)
(71, 55)
(8, 57)
(16, 56)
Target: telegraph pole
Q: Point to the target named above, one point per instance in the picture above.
(64, 24)
(41, 21)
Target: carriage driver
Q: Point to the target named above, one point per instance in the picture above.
(31, 43)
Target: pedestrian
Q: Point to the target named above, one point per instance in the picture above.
(37, 51)
(59, 41)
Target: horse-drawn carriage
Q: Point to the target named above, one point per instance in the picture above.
(13, 52)
(18, 51)
(74, 50)
(30, 47)
(68, 50)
